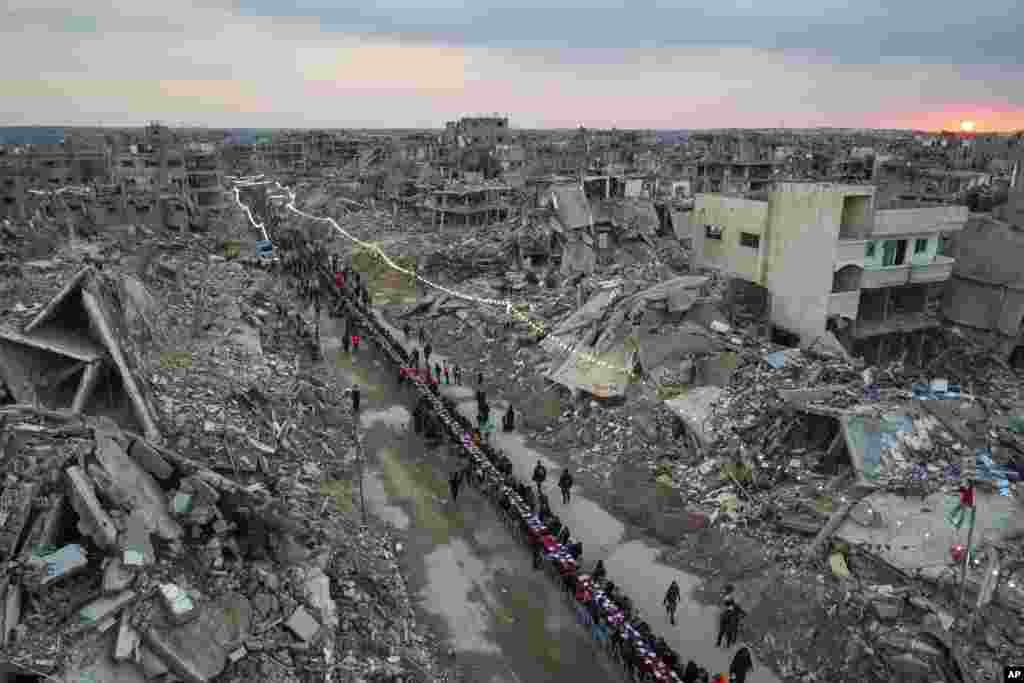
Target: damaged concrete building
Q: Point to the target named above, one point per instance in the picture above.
(822, 263)
(986, 292)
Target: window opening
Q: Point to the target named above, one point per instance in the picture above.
(713, 232)
(749, 239)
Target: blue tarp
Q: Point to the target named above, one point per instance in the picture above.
(264, 247)
(777, 360)
(924, 392)
(987, 470)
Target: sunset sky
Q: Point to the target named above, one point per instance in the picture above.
(658, 64)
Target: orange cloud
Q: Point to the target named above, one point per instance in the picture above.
(988, 119)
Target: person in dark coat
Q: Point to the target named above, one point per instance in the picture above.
(690, 673)
(540, 474)
(355, 398)
(736, 615)
(510, 419)
(565, 484)
(427, 350)
(599, 572)
(742, 664)
(454, 481)
(671, 601)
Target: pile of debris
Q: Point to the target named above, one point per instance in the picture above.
(123, 559)
(127, 560)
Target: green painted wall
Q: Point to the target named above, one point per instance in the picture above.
(928, 255)
(873, 260)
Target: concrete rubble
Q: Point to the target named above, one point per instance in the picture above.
(746, 439)
(215, 547)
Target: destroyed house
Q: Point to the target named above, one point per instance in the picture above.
(987, 288)
(471, 205)
(76, 356)
(823, 260)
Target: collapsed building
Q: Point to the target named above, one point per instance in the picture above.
(75, 355)
(986, 292)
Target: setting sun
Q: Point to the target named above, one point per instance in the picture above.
(967, 126)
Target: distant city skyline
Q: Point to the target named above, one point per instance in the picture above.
(319, 64)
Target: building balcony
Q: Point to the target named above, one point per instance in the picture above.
(850, 252)
(888, 276)
(844, 304)
(897, 323)
(939, 270)
(921, 220)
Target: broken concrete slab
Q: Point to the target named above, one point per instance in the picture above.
(127, 640)
(116, 577)
(138, 550)
(151, 665)
(105, 607)
(198, 651)
(15, 506)
(100, 667)
(11, 613)
(150, 460)
(135, 489)
(93, 519)
(303, 625)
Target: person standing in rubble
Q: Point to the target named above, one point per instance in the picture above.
(565, 483)
(354, 391)
(454, 481)
(437, 372)
(742, 664)
(509, 422)
(458, 375)
(540, 474)
(671, 601)
(427, 350)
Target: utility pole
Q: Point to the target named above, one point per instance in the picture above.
(359, 461)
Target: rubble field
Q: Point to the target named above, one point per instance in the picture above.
(193, 519)
(823, 489)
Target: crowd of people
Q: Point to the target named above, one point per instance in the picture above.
(600, 605)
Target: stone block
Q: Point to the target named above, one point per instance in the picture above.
(134, 488)
(93, 519)
(198, 651)
(105, 607)
(303, 625)
(150, 460)
(116, 577)
(138, 550)
(127, 640)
